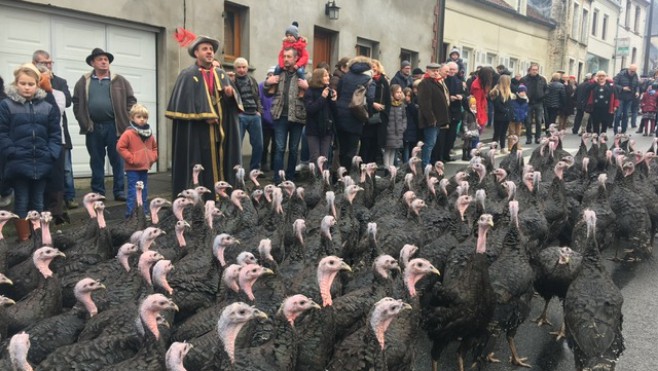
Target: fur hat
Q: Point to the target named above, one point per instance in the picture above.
(293, 30)
(95, 53)
(200, 40)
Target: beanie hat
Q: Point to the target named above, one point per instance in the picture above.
(522, 88)
(405, 64)
(293, 30)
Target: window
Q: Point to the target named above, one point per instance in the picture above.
(604, 29)
(408, 55)
(636, 24)
(575, 21)
(491, 59)
(584, 27)
(595, 17)
(234, 26)
(367, 48)
(627, 15)
(580, 70)
(572, 66)
(467, 56)
(634, 55)
(513, 65)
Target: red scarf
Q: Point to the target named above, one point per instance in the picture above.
(438, 79)
(377, 77)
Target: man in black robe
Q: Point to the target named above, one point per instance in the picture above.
(203, 108)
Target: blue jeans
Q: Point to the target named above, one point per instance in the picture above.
(132, 177)
(69, 186)
(429, 136)
(28, 195)
(622, 115)
(290, 132)
(104, 136)
(252, 124)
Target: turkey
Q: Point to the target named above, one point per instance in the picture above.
(176, 354)
(366, 350)
(54, 332)
(593, 309)
(511, 279)
(231, 321)
(141, 345)
(462, 306)
(45, 300)
(19, 345)
(279, 353)
(5, 216)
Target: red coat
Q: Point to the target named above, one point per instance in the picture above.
(614, 102)
(649, 102)
(480, 101)
(137, 153)
(300, 46)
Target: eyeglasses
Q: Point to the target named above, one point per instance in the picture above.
(47, 63)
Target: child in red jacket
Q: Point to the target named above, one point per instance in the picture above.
(293, 40)
(139, 150)
(648, 104)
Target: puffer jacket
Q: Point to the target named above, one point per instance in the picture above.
(556, 96)
(520, 106)
(625, 80)
(397, 124)
(137, 152)
(30, 135)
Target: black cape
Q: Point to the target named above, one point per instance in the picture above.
(194, 140)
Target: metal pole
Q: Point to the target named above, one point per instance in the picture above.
(647, 45)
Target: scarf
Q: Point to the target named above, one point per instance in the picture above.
(396, 103)
(143, 131)
(377, 77)
(438, 79)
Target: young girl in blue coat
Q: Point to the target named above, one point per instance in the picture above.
(30, 142)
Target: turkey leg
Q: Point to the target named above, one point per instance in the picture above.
(560, 334)
(542, 320)
(515, 359)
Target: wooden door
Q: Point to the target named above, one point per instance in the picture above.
(322, 47)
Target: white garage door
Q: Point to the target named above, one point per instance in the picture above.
(70, 41)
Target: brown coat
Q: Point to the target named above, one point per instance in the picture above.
(137, 153)
(433, 109)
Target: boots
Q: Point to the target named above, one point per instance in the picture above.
(466, 156)
(22, 229)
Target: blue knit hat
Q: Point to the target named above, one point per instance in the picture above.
(522, 88)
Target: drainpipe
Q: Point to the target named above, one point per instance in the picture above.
(439, 23)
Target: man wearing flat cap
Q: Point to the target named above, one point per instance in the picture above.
(205, 120)
(101, 102)
(433, 103)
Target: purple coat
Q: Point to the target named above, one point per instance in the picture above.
(266, 101)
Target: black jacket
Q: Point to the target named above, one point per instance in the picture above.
(503, 111)
(320, 112)
(582, 95)
(537, 88)
(403, 81)
(60, 84)
(556, 96)
(622, 80)
(455, 87)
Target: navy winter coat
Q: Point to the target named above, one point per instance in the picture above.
(30, 135)
(346, 87)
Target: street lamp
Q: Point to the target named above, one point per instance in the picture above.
(331, 10)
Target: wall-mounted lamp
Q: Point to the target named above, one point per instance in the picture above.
(331, 10)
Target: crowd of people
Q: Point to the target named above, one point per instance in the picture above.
(356, 109)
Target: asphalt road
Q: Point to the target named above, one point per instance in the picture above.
(637, 282)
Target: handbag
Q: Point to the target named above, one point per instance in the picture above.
(358, 104)
(375, 119)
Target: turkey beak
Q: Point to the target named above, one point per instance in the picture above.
(12, 216)
(59, 253)
(186, 224)
(5, 279)
(490, 222)
(101, 286)
(435, 271)
(173, 306)
(315, 305)
(267, 271)
(259, 314)
(345, 267)
(406, 306)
